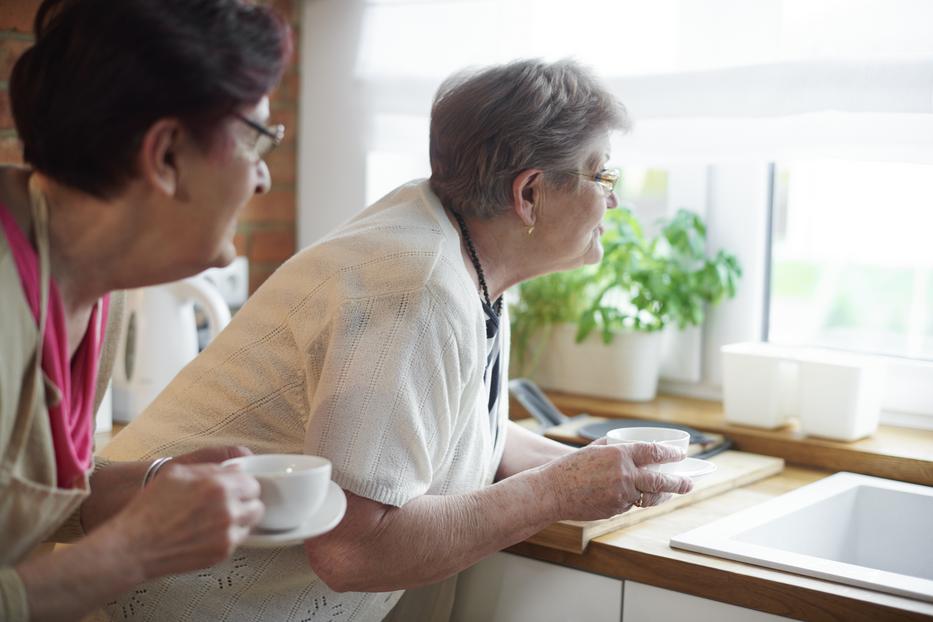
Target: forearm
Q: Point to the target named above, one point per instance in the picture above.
(74, 580)
(112, 487)
(189, 517)
(114, 484)
(432, 537)
(526, 450)
(382, 548)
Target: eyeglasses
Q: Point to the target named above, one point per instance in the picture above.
(265, 139)
(608, 178)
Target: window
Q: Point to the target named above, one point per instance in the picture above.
(851, 268)
(821, 107)
(852, 259)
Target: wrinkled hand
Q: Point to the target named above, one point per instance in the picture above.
(602, 480)
(190, 516)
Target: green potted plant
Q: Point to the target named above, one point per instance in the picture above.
(597, 330)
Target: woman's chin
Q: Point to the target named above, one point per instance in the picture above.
(224, 256)
(593, 254)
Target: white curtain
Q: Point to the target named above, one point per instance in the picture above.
(705, 80)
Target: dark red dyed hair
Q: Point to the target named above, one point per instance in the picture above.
(102, 72)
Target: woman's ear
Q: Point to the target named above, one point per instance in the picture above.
(527, 191)
(158, 159)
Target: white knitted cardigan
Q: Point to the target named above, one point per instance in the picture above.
(367, 348)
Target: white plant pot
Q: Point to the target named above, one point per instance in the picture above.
(626, 369)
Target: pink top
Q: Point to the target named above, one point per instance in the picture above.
(71, 418)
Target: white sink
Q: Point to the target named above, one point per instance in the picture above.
(864, 531)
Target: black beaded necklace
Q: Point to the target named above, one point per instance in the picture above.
(497, 308)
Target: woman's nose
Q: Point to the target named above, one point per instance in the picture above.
(264, 178)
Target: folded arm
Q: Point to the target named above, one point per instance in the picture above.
(383, 548)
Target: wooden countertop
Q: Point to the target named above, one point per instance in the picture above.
(642, 553)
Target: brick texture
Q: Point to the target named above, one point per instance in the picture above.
(266, 233)
(15, 36)
(11, 152)
(276, 206)
(6, 117)
(17, 15)
(11, 46)
(272, 245)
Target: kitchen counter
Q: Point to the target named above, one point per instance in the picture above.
(641, 553)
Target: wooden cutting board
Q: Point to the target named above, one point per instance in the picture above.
(733, 469)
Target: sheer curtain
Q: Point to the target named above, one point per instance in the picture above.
(719, 89)
(706, 80)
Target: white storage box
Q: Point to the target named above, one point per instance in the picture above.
(835, 394)
(840, 395)
(759, 384)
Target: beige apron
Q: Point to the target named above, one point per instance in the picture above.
(31, 504)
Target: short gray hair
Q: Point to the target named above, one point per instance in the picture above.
(489, 125)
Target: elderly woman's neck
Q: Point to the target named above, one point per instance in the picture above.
(78, 278)
(87, 244)
(501, 247)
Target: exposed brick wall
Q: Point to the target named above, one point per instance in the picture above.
(266, 233)
(15, 36)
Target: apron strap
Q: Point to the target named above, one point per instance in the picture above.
(111, 337)
(33, 383)
(40, 219)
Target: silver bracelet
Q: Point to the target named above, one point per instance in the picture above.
(153, 469)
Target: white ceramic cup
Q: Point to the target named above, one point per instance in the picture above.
(293, 486)
(664, 436)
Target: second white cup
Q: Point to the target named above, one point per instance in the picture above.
(664, 436)
(293, 486)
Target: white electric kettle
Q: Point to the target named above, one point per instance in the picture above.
(159, 337)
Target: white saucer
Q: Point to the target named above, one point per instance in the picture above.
(688, 467)
(323, 520)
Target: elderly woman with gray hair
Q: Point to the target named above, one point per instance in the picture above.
(384, 348)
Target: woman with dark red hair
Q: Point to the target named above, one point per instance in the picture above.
(144, 125)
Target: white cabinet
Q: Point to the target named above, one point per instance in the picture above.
(509, 588)
(645, 603)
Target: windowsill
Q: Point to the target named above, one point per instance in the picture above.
(896, 453)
